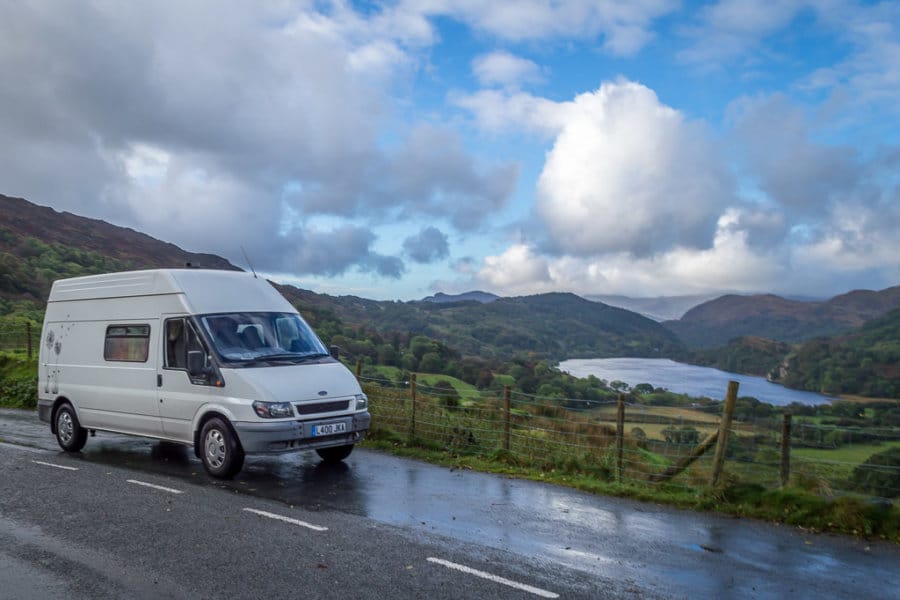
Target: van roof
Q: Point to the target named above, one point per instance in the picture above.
(205, 290)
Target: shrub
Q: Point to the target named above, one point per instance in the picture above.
(880, 474)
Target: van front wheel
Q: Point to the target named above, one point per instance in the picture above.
(220, 451)
(334, 454)
(69, 432)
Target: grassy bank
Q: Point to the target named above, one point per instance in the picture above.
(797, 507)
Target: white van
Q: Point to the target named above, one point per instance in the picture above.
(217, 360)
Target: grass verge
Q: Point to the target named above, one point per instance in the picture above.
(806, 510)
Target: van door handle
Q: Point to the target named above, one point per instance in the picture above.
(159, 380)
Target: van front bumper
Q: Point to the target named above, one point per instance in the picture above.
(287, 436)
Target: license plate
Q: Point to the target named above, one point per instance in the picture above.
(329, 429)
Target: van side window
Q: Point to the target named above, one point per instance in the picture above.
(180, 338)
(129, 343)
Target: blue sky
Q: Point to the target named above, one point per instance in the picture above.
(393, 150)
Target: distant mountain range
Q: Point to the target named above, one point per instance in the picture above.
(718, 321)
(662, 308)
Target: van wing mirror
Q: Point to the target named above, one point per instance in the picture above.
(196, 363)
(335, 352)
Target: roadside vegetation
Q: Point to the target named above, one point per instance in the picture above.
(845, 488)
(18, 380)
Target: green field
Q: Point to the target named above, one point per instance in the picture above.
(852, 454)
(467, 392)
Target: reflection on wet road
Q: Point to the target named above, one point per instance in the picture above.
(662, 550)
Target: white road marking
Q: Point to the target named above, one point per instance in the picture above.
(155, 487)
(495, 578)
(46, 464)
(263, 513)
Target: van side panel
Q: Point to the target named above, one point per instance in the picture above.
(107, 394)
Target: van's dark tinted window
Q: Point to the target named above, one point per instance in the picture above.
(180, 339)
(129, 343)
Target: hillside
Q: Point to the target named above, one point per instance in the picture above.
(718, 321)
(546, 325)
(865, 361)
(476, 296)
(748, 355)
(39, 244)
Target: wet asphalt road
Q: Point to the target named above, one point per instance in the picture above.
(392, 522)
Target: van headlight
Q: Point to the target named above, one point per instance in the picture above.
(273, 410)
(362, 402)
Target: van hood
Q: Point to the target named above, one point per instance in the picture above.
(296, 383)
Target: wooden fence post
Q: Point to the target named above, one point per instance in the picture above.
(358, 367)
(506, 410)
(724, 426)
(28, 337)
(786, 449)
(412, 395)
(620, 436)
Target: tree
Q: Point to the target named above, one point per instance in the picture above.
(387, 355)
(409, 361)
(431, 363)
(619, 386)
(485, 377)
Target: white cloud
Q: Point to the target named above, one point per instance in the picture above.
(505, 69)
(627, 173)
(731, 29)
(497, 111)
(518, 270)
(729, 264)
(625, 26)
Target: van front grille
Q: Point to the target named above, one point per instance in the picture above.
(322, 407)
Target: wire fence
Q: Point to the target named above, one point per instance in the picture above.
(21, 337)
(647, 445)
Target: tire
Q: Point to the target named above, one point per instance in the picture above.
(220, 451)
(334, 454)
(69, 432)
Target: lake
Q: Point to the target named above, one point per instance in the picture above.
(687, 379)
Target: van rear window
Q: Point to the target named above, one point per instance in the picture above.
(129, 343)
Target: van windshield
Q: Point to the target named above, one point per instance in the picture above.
(262, 337)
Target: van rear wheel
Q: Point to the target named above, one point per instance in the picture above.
(69, 432)
(334, 454)
(220, 451)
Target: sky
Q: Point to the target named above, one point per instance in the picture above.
(392, 150)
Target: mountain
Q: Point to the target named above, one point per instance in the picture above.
(474, 296)
(39, 244)
(662, 308)
(718, 321)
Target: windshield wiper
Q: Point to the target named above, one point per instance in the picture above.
(288, 356)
